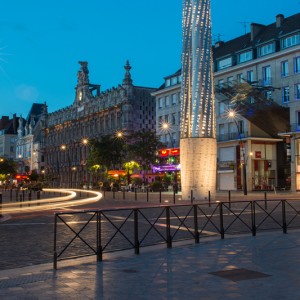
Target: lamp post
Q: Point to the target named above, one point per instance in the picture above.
(166, 128)
(232, 115)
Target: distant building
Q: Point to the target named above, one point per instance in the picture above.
(28, 143)
(8, 135)
(127, 108)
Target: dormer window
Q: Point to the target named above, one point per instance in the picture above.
(245, 56)
(290, 41)
(224, 63)
(266, 49)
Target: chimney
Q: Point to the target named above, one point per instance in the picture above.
(279, 20)
(255, 29)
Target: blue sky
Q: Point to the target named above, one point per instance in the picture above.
(41, 43)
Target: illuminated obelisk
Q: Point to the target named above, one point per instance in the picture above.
(198, 147)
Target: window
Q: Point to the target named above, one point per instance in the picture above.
(298, 118)
(167, 82)
(297, 91)
(240, 77)
(222, 108)
(245, 56)
(173, 80)
(266, 49)
(290, 41)
(224, 63)
(167, 100)
(221, 83)
(166, 118)
(161, 100)
(241, 126)
(266, 75)
(268, 95)
(174, 98)
(250, 76)
(285, 94)
(230, 80)
(179, 79)
(297, 64)
(173, 119)
(284, 68)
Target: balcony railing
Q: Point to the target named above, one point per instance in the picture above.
(231, 136)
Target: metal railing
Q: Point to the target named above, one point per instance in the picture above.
(84, 233)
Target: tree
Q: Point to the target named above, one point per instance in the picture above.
(143, 148)
(108, 152)
(129, 167)
(7, 167)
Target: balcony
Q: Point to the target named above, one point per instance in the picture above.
(231, 136)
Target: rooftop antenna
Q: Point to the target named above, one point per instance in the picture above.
(217, 37)
(244, 24)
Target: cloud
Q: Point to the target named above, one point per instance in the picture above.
(26, 92)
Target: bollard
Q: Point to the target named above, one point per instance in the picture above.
(229, 199)
(21, 200)
(209, 198)
(0, 205)
(135, 194)
(174, 196)
(266, 204)
(29, 196)
(113, 193)
(10, 195)
(147, 191)
(38, 195)
(160, 195)
(123, 190)
(17, 195)
(192, 197)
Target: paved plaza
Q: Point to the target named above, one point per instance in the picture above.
(243, 267)
(239, 267)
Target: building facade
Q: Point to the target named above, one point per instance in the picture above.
(126, 108)
(265, 59)
(28, 154)
(8, 135)
(263, 135)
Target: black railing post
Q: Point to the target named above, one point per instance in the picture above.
(221, 221)
(99, 245)
(174, 196)
(10, 195)
(135, 194)
(266, 204)
(54, 244)
(123, 190)
(196, 231)
(136, 232)
(229, 198)
(159, 195)
(253, 218)
(147, 191)
(113, 190)
(168, 227)
(0, 205)
(209, 199)
(284, 226)
(17, 195)
(192, 197)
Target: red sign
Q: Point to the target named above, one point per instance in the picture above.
(169, 152)
(164, 152)
(257, 154)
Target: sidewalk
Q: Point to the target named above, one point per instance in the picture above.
(239, 267)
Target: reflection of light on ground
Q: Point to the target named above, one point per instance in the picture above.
(52, 203)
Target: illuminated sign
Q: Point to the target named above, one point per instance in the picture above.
(169, 152)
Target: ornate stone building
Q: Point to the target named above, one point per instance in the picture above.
(125, 108)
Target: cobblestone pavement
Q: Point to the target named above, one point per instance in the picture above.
(28, 239)
(243, 267)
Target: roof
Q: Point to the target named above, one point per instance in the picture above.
(264, 34)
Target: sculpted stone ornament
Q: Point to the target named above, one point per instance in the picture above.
(198, 147)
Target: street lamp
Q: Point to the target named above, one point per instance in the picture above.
(166, 128)
(232, 116)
